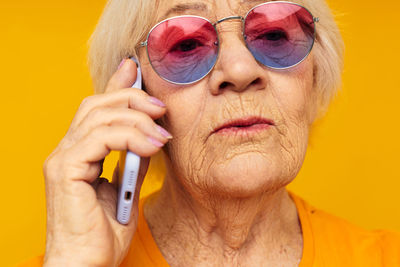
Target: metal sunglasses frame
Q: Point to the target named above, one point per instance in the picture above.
(243, 19)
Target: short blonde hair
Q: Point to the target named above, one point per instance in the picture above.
(125, 23)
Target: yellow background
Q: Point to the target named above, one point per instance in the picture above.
(351, 167)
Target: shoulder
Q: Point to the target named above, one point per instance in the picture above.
(346, 243)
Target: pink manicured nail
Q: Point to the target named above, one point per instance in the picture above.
(164, 132)
(155, 142)
(122, 63)
(156, 102)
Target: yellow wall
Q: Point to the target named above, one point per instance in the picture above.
(352, 163)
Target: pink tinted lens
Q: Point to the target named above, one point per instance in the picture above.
(279, 35)
(183, 49)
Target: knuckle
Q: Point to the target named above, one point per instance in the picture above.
(96, 113)
(87, 101)
(100, 134)
(86, 104)
(50, 164)
(135, 97)
(74, 170)
(140, 92)
(142, 117)
(97, 132)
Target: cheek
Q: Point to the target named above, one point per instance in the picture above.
(293, 104)
(185, 112)
(184, 118)
(293, 95)
(184, 103)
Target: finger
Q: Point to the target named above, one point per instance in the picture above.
(98, 143)
(124, 77)
(121, 116)
(125, 98)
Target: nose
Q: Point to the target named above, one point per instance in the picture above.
(236, 69)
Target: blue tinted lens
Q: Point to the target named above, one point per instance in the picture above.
(279, 35)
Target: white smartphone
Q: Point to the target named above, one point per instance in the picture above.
(129, 164)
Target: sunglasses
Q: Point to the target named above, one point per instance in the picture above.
(184, 49)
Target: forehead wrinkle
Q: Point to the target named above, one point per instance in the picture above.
(240, 8)
(184, 8)
(202, 9)
(248, 4)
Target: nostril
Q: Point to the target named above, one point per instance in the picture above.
(223, 85)
(256, 81)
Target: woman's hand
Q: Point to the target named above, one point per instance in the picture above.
(81, 207)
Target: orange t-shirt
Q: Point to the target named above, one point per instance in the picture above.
(327, 241)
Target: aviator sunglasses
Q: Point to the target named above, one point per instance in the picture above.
(184, 49)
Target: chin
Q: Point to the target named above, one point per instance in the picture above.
(249, 174)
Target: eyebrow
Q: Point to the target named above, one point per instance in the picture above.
(183, 7)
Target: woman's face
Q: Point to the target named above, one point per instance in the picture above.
(271, 111)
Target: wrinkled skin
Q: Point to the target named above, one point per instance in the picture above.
(238, 86)
(221, 184)
(223, 202)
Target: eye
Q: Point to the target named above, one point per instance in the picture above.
(186, 45)
(274, 35)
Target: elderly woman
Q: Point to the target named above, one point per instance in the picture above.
(231, 90)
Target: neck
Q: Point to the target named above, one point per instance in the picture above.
(196, 227)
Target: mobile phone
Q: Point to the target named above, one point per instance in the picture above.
(129, 164)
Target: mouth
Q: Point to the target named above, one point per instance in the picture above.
(244, 125)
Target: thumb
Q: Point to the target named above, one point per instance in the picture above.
(124, 77)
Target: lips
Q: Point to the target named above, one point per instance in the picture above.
(246, 124)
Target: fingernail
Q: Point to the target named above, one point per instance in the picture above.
(155, 142)
(163, 132)
(156, 102)
(122, 63)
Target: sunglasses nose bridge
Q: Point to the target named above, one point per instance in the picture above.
(229, 18)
